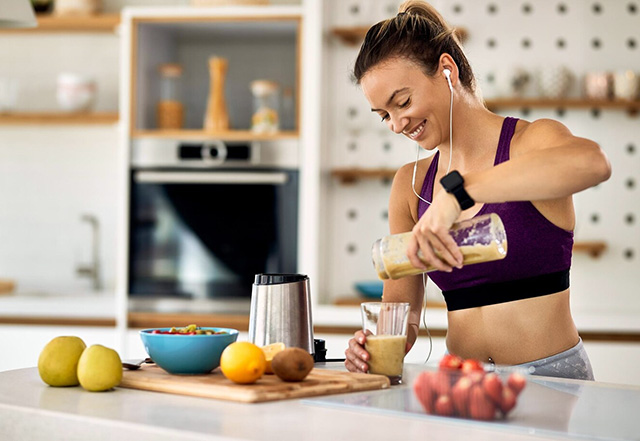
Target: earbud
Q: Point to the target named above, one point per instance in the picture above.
(447, 74)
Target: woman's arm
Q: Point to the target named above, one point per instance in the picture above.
(548, 163)
(402, 217)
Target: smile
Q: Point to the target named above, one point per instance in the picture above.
(415, 133)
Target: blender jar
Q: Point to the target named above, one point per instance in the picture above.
(481, 239)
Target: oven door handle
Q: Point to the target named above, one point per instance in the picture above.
(159, 177)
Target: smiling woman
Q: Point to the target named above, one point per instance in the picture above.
(415, 75)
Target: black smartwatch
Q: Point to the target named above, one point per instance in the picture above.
(454, 183)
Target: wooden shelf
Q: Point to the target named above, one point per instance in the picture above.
(353, 35)
(351, 175)
(58, 118)
(72, 23)
(231, 135)
(593, 248)
(564, 103)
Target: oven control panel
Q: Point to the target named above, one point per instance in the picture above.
(172, 153)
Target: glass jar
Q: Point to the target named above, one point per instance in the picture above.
(170, 110)
(265, 106)
(481, 239)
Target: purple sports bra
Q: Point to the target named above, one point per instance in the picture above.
(538, 257)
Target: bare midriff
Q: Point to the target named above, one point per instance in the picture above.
(513, 332)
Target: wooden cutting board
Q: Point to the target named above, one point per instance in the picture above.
(268, 388)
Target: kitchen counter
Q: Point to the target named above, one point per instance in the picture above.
(547, 409)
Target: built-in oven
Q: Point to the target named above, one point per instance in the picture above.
(206, 217)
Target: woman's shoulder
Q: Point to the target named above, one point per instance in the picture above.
(402, 201)
(538, 134)
(404, 175)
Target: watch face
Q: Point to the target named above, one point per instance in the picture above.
(452, 180)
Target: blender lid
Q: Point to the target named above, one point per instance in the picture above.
(277, 279)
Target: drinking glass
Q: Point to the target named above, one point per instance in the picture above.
(385, 327)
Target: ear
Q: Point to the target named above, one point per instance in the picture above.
(446, 62)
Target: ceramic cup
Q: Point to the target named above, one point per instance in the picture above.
(626, 85)
(9, 88)
(598, 85)
(75, 92)
(555, 82)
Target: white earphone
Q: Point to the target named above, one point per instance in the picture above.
(447, 74)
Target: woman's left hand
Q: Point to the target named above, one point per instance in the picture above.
(431, 235)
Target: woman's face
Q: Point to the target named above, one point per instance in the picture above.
(409, 101)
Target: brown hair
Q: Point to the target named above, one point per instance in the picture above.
(418, 33)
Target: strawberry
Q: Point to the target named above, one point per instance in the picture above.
(424, 392)
(508, 400)
(475, 376)
(444, 406)
(471, 365)
(451, 362)
(480, 405)
(516, 382)
(460, 396)
(492, 386)
(441, 383)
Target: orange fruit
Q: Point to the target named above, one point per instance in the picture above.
(269, 352)
(243, 362)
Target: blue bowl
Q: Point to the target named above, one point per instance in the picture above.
(187, 354)
(370, 290)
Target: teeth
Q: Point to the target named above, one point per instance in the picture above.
(416, 131)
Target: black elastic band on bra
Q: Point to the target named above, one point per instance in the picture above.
(501, 292)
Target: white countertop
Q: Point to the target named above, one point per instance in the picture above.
(103, 306)
(547, 409)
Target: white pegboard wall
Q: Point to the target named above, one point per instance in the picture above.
(503, 36)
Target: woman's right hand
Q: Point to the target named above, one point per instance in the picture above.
(356, 355)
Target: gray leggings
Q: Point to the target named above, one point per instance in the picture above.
(572, 363)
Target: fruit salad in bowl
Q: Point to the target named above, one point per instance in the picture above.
(188, 350)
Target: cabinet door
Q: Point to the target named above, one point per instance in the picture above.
(614, 362)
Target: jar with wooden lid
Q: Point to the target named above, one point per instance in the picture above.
(265, 106)
(170, 109)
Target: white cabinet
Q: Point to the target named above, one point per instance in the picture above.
(20, 345)
(614, 362)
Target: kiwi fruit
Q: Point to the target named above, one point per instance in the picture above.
(292, 364)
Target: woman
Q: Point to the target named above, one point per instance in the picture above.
(515, 311)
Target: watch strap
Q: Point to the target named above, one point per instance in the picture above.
(454, 183)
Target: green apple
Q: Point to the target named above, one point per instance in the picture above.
(58, 361)
(99, 368)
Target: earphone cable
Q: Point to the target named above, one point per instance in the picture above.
(415, 165)
(424, 317)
